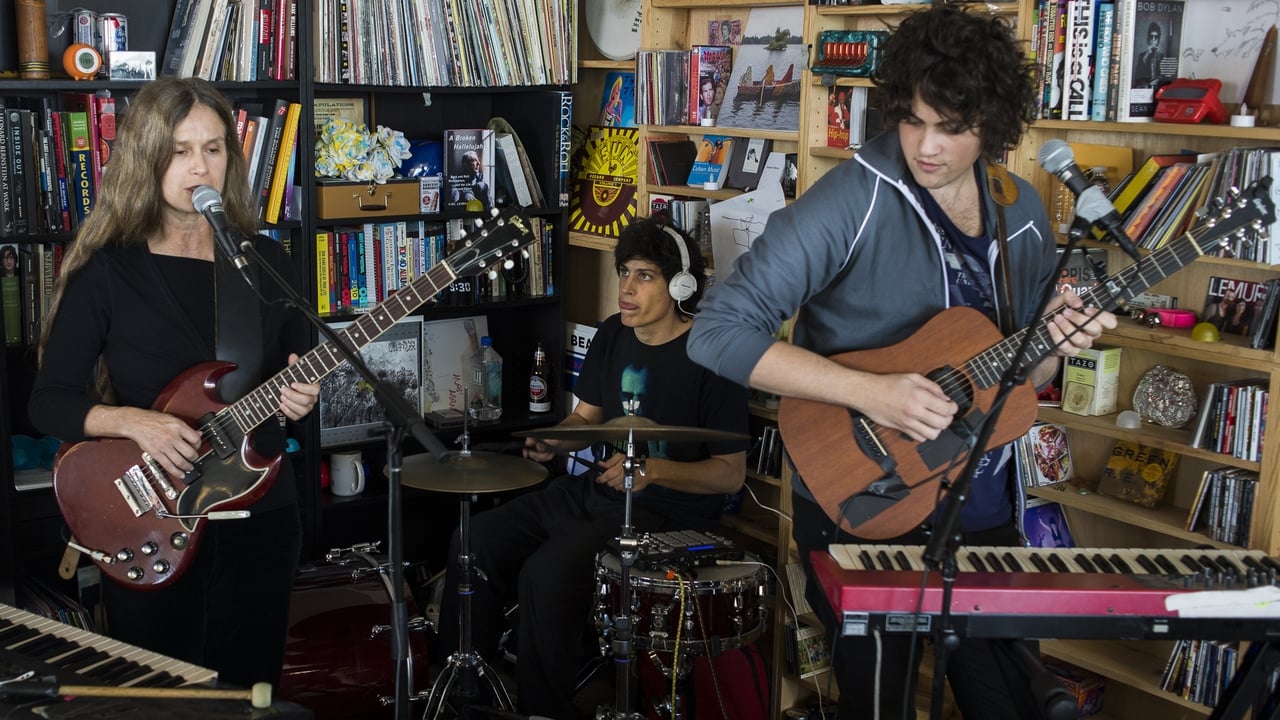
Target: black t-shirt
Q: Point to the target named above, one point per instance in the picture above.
(622, 376)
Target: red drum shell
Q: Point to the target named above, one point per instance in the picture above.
(728, 597)
(332, 663)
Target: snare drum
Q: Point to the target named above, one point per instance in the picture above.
(723, 605)
(337, 657)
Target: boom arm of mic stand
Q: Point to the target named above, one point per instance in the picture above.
(399, 412)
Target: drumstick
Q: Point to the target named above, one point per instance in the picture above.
(259, 696)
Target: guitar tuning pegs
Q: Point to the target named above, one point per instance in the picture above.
(508, 264)
(493, 274)
(524, 253)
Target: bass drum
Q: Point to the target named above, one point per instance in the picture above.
(337, 657)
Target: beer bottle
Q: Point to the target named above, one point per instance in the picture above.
(539, 383)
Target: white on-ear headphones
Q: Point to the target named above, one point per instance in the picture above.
(682, 285)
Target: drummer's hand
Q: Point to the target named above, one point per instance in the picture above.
(537, 450)
(611, 474)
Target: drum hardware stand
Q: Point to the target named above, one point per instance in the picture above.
(623, 625)
(683, 670)
(467, 667)
(400, 419)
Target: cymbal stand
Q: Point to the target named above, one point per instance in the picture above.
(623, 626)
(466, 667)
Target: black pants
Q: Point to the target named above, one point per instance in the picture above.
(987, 679)
(540, 550)
(230, 611)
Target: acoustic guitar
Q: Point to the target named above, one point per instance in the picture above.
(142, 527)
(878, 483)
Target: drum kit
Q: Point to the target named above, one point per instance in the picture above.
(635, 609)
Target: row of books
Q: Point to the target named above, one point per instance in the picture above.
(1224, 505)
(233, 40)
(711, 163)
(27, 273)
(51, 160)
(359, 266)
(1232, 419)
(1239, 168)
(445, 42)
(682, 87)
(269, 140)
(1161, 198)
(1200, 670)
(1104, 60)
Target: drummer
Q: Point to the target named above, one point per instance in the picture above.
(539, 549)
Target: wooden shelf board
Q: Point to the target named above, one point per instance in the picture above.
(719, 4)
(1155, 128)
(607, 64)
(1125, 662)
(997, 8)
(594, 242)
(1231, 350)
(766, 479)
(761, 410)
(783, 135)
(1164, 520)
(831, 152)
(1174, 439)
(760, 527)
(692, 191)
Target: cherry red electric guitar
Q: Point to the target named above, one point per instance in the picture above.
(141, 526)
(877, 482)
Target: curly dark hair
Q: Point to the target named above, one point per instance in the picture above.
(966, 66)
(649, 239)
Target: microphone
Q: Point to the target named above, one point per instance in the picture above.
(208, 202)
(1091, 204)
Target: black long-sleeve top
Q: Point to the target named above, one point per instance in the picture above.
(152, 317)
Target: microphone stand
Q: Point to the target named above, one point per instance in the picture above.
(400, 418)
(940, 551)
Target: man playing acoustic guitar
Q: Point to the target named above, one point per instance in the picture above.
(904, 231)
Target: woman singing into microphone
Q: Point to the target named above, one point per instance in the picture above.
(142, 297)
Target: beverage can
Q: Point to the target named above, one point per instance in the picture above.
(84, 27)
(113, 29)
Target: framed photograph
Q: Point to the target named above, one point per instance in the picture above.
(348, 411)
(132, 64)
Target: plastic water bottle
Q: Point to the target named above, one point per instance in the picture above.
(486, 382)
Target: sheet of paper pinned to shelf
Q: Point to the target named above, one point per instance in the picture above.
(738, 221)
(1254, 602)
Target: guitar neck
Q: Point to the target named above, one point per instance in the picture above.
(261, 403)
(990, 366)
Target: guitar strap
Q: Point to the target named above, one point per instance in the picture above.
(237, 328)
(1005, 193)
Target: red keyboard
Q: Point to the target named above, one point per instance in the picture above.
(1047, 593)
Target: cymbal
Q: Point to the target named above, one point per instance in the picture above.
(634, 426)
(479, 472)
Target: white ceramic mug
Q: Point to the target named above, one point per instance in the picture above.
(346, 473)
